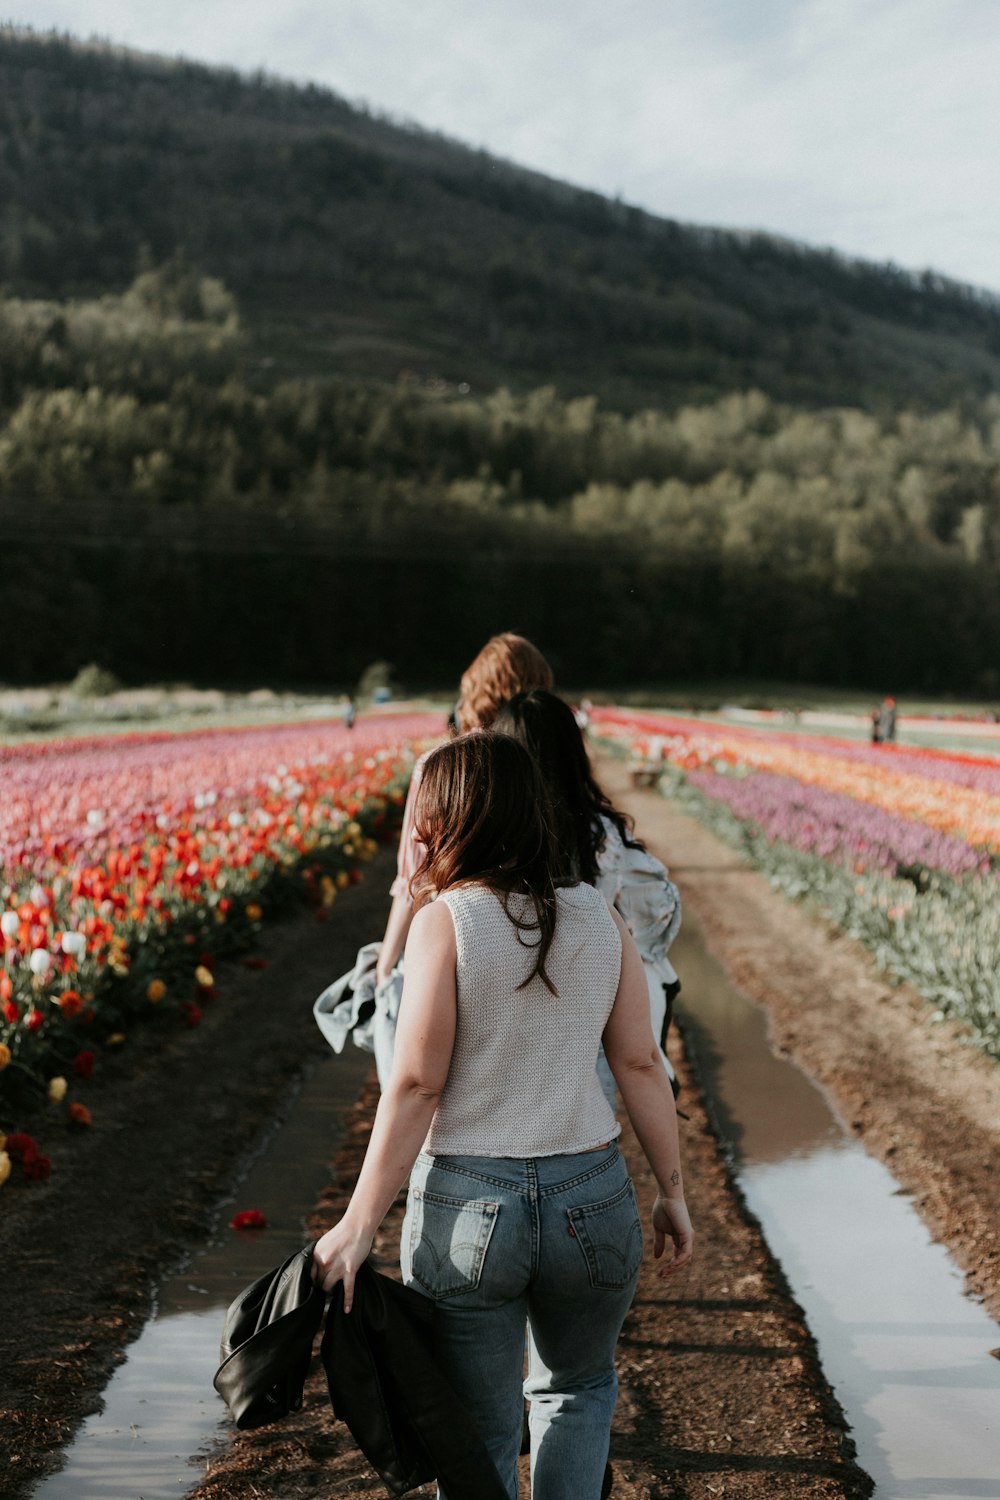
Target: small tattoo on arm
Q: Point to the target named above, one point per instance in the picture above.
(675, 1177)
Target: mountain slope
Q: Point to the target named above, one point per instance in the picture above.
(357, 246)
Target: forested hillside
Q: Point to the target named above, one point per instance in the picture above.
(284, 388)
(357, 246)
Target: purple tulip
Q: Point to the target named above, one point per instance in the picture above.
(837, 827)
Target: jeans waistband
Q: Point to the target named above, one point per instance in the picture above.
(533, 1175)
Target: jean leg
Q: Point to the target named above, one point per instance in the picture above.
(482, 1352)
(480, 1327)
(576, 1307)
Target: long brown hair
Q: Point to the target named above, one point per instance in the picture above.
(506, 665)
(481, 815)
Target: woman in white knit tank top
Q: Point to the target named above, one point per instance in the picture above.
(520, 1210)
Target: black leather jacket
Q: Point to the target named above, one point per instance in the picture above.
(383, 1376)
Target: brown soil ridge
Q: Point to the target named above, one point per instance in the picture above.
(923, 1101)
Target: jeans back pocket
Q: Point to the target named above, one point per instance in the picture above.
(610, 1235)
(447, 1242)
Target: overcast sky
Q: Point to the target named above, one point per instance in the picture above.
(869, 125)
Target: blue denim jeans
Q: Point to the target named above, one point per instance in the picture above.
(551, 1243)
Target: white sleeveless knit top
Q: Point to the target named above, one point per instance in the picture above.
(523, 1079)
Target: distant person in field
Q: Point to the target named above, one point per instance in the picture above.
(520, 1214)
(887, 721)
(506, 665)
(349, 713)
(596, 845)
(876, 720)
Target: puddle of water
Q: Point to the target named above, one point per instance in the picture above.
(159, 1407)
(905, 1350)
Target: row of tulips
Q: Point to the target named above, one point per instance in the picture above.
(839, 828)
(918, 786)
(925, 902)
(131, 865)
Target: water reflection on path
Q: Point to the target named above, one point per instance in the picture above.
(906, 1351)
(160, 1408)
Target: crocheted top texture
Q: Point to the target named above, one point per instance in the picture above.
(523, 1079)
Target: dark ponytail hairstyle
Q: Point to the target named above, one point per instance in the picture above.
(482, 815)
(546, 727)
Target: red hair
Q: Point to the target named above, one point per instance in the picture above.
(506, 665)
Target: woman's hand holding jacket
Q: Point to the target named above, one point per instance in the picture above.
(338, 1255)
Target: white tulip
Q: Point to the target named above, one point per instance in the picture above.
(40, 962)
(9, 924)
(74, 943)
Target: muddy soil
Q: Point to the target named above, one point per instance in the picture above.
(721, 1389)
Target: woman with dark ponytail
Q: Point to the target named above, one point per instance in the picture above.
(597, 845)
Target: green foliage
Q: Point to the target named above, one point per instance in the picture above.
(376, 678)
(203, 274)
(741, 537)
(93, 681)
(176, 291)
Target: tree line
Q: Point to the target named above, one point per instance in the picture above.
(168, 515)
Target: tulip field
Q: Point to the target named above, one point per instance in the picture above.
(130, 865)
(898, 846)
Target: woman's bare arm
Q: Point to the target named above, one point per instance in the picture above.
(635, 1061)
(425, 1040)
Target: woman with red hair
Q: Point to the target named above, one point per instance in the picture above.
(507, 664)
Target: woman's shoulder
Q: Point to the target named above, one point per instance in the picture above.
(433, 930)
(470, 896)
(471, 889)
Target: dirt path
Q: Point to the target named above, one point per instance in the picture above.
(923, 1102)
(721, 1389)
